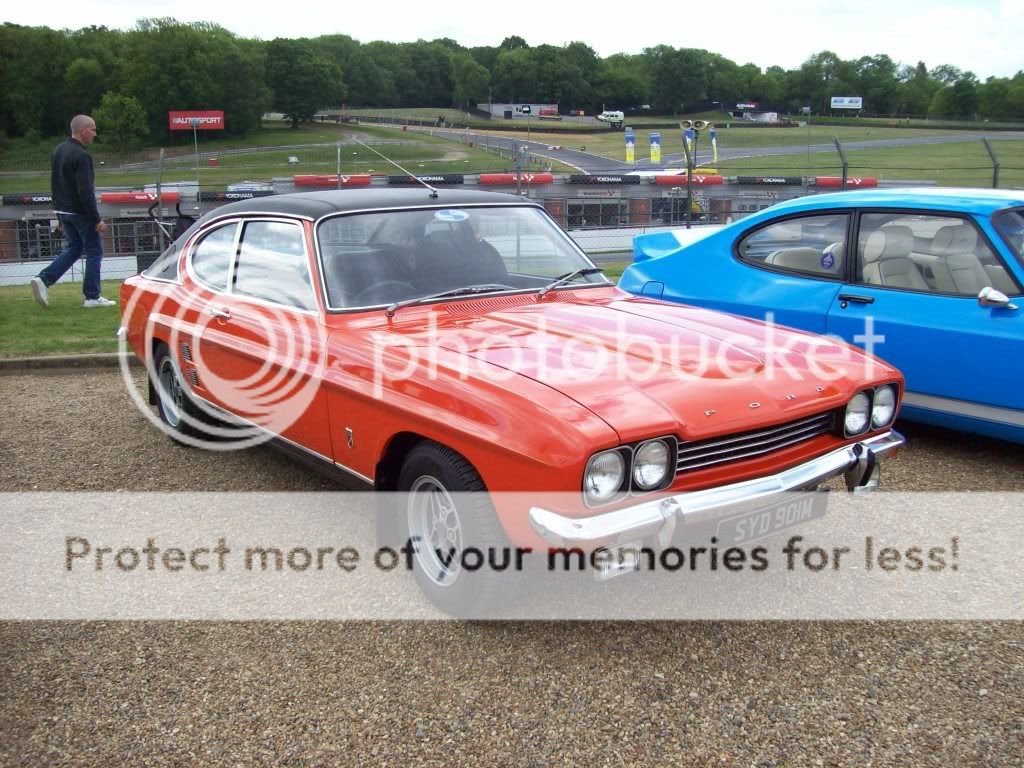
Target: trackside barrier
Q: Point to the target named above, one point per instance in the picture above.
(139, 198)
(332, 180)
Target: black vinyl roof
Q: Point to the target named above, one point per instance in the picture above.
(318, 204)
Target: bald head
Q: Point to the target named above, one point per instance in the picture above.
(83, 128)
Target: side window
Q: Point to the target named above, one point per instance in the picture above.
(166, 265)
(933, 254)
(272, 264)
(211, 258)
(809, 245)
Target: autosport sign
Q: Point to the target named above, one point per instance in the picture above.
(207, 120)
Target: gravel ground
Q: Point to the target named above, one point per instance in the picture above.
(445, 693)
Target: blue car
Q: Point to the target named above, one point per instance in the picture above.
(930, 280)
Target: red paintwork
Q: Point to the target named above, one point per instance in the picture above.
(854, 182)
(530, 425)
(331, 181)
(170, 196)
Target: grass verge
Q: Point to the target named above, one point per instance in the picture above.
(65, 328)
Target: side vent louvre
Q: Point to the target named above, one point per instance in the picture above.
(193, 377)
(186, 352)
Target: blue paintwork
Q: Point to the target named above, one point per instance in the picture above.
(947, 346)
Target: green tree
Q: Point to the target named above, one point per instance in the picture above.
(515, 75)
(84, 84)
(302, 81)
(470, 79)
(915, 90)
(120, 120)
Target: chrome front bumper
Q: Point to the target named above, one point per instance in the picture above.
(653, 518)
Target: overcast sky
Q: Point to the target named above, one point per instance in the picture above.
(983, 36)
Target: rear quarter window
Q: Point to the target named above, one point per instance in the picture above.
(806, 245)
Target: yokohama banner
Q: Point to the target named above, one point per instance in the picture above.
(583, 178)
(27, 198)
(768, 181)
(444, 178)
(226, 196)
(207, 120)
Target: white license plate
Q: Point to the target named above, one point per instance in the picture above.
(767, 520)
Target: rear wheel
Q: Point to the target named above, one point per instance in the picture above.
(181, 416)
(447, 517)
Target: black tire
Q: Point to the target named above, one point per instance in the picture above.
(178, 413)
(430, 473)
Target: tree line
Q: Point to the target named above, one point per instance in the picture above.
(129, 80)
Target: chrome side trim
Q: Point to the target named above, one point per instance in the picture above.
(228, 416)
(964, 408)
(648, 518)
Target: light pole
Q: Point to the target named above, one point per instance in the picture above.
(693, 127)
(195, 138)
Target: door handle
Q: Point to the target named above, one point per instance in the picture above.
(220, 314)
(847, 298)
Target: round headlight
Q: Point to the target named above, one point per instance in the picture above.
(884, 407)
(604, 476)
(858, 411)
(650, 465)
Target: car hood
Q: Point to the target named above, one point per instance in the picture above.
(647, 367)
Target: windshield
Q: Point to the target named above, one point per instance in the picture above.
(1010, 226)
(375, 259)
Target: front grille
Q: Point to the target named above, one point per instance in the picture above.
(746, 445)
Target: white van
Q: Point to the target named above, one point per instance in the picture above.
(613, 118)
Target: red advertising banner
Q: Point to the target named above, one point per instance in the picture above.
(679, 180)
(308, 180)
(208, 120)
(852, 182)
(509, 179)
(171, 196)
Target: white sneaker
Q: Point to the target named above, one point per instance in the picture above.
(39, 291)
(99, 302)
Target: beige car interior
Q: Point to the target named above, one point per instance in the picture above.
(887, 259)
(953, 261)
(806, 259)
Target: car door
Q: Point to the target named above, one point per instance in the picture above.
(263, 345)
(789, 270)
(914, 302)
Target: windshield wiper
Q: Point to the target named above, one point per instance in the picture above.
(567, 277)
(466, 290)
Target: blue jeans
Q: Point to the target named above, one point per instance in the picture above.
(80, 232)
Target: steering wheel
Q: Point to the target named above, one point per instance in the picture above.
(385, 290)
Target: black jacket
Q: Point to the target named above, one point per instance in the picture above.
(72, 180)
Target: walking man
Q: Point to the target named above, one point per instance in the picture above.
(72, 182)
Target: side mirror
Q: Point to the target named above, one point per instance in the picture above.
(990, 297)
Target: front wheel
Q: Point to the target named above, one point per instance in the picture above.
(462, 559)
